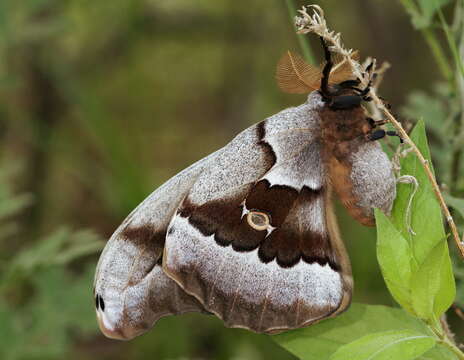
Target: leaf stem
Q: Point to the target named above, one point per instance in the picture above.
(444, 336)
(452, 347)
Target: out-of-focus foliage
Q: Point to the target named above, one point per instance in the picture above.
(423, 11)
(41, 303)
(102, 101)
(442, 109)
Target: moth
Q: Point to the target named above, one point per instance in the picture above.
(248, 233)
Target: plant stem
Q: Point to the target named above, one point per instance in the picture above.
(451, 44)
(444, 336)
(437, 51)
(305, 48)
(452, 347)
(438, 54)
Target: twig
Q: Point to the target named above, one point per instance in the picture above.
(446, 328)
(458, 311)
(316, 23)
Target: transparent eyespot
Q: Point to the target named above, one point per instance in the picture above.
(258, 220)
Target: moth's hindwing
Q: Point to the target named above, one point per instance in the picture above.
(131, 290)
(254, 239)
(363, 180)
(373, 181)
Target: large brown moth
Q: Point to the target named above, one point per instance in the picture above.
(248, 233)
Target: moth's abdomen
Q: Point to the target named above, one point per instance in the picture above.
(364, 180)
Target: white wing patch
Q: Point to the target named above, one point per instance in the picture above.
(303, 169)
(246, 276)
(294, 135)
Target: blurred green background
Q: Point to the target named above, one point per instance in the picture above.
(103, 101)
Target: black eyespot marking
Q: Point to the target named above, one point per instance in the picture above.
(102, 304)
(96, 301)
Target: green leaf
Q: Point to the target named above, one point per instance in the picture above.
(447, 292)
(404, 345)
(427, 255)
(439, 352)
(394, 254)
(426, 218)
(428, 298)
(319, 342)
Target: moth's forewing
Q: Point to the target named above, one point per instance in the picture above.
(133, 291)
(292, 274)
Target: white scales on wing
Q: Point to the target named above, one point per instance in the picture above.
(230, 274)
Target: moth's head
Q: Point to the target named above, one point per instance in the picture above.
(344, 88)
(122, 285)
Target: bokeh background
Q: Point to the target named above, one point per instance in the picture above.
(103, 101)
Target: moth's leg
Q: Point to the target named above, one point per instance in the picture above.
(374, 123)
(358, 90)
(361, 92)
(367, 98)
(345, 102)
(376, 135)
(364, 93)
(385, 103)
(380, 134)
(326, 71)
(370, 73)
(369, 67)
(394, 133)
